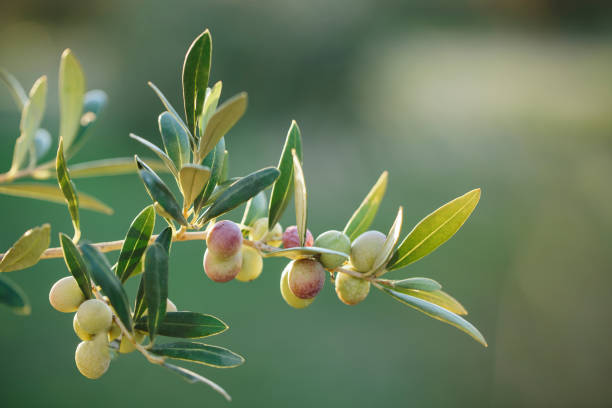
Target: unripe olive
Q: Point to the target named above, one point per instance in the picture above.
(114, 332)
(252, 264)
(286, 293)
(334, 240)
(260, 232)
(222, 269)
(224, 239)
(351, 290)
(126, 346)
(365, 249)
(306, 278)
(94, 316)
(83, 335)
(292, 240)
(93, 357)
(65, 295)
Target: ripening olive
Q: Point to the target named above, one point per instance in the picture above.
(126, 346)
(94, 316)
(306, 278)
(260, 232)
(334, 240)
(82, 334)
(224, 239)
(252, 264)
(93, 357)
(222, 269)
(351, 290)
(286, 293)
(114, 332)
(292, 240)
(365, 249)
(65, 295)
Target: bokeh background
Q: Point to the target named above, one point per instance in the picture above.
(514, 97)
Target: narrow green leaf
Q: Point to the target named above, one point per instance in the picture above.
(438, 313)
(159, 152)
(283, 187)
(196, 70)
(109, 167)
(140, 306)
(213, 356)
(214, 161)
(301, 208)
(17, 91)
(302, 252)
(364, 215)
(239, 192)
(42, 142)
(165, 239)
(225, 168)
(68, 189)
(186, 325)
(14, 297)
(53, 194)
(135, 243)
(425, 284)
(171, 109)
(210, 105)
(27, 250)
(31, 116)
(193, 378)
(156, 286)
(436, 297)
(255, 209)
(71, 96)
(434, 230)
(159, 192)
(387, 250)
(103, 276)
(221, 122)
(193, 179)
(175, 138)
(94, 102)
(76, 265)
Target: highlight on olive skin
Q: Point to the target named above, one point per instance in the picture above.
(286, 292)
(291, 238)
(306, 278)
(94, 316)
(65, 295)
(224, 239)
(336, 241)
(365, 249)
(351, 290)
(93, 357)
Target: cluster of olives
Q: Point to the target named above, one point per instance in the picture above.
(227, 257)
(95, 325)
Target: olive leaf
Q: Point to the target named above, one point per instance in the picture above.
(301, 209)
(214, 161)
(424, 284)
(31, 116)
(135, 243)
(255, 209)
(27, 250)
(159, 192)
(437, 297)
(193, 179)
(239, 192)
(53, 194)
(196, 70)
(68, 189)
(283, 187)
(434, 230)
(193, 378)
(210, 105)
(389, 245)
(76, 265)
(17, 91)
(111, 167)
(170, 109)
(175, 138)
(14, 297)
(94, 102)
(71, 96)
(155, 286)
(193, 352)
(159, 152)
(221, 122)
(439, 313)
(365, 213)
(103, 276)
(302, 252)
(223, 176)
(186, 325)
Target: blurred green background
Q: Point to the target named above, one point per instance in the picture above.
(510, 96)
